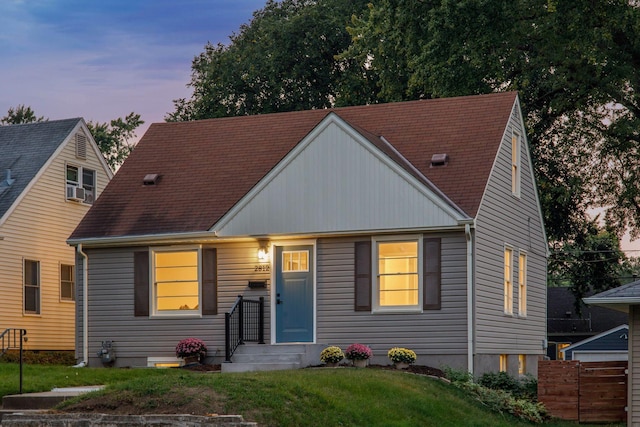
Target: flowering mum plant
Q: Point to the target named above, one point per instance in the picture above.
(191, 347)
(401, 355)
(332, 354)
(358, 352)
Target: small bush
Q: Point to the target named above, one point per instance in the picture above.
(37, 357)
(524, 388)
(358, 352)
(332, 354)
(457, 376)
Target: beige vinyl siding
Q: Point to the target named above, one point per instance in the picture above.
(504, 219)
(111, 306)
(432, 334)
(37, 229)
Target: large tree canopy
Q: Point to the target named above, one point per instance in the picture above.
(19, 115)
(576, 65)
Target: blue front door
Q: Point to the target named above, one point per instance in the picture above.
(294, 294)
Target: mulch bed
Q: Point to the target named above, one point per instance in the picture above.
(415, 369)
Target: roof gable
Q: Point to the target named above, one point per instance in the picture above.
(206, 167)
(25, 149)
(336, 172)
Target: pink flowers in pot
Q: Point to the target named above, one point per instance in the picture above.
(358, 352)
(190, 347)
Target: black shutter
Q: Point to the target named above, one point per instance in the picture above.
(141, 283)
(431, 290)
(209, 281)
(362, 297)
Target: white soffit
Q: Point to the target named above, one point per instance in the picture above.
(335, 180)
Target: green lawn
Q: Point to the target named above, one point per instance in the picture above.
(308, 397)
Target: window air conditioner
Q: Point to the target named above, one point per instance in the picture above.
(75, 193)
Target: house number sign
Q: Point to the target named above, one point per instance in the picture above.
(262, 267)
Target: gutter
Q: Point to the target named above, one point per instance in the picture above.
(85, 308)
(470, 331)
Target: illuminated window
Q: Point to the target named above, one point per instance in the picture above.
(504, 362)
(398, 274)
(67, 283)
(176, 282)
(515, 164)
(522, 284)
(508, 280)
(522, 364)
(295, 261)
(559, 347)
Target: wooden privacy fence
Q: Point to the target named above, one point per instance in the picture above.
(583, 391)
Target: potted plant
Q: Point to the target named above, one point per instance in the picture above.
(358, 354)
(332, 355)
(401, 357)
(192, 350)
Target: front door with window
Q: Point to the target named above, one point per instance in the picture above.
(294, 294)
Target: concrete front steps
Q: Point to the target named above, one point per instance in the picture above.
(265, 357)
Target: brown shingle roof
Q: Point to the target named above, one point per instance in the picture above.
(207, 166)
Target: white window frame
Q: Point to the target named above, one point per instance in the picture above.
(38, 286)
(508, 279)
(79, 183)
(73, 282)
(376, 307)
(153, 291)
(516, 163)
(522, 283)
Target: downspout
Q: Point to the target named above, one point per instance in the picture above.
(470, 332)
(85, 309)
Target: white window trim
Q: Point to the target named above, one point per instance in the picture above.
(24, 294)
(375, 297)
(152, 283)
(80, 183)
(522, 284)
(507, 292)
(73, 269)
(516, 163)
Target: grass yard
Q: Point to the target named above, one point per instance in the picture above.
(307, 397)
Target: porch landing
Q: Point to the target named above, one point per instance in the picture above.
(265, 357)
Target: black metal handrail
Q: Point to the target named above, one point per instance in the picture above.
(243, 323)
(12, 339)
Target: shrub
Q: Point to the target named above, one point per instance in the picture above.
(401, 355)
(40, 357)
(457, 376)
(358, 352)
(189, 347)
(332, 354)
(524, 388)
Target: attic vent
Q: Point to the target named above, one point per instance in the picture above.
(150, 179)
(439, 159)
(81, 146)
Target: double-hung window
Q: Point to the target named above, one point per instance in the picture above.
(67, 283)
(31, 273)
(398, 273)
(522, 284)
(81, 184)
(508, 280)
(176, 282)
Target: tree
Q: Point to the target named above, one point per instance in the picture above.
(575, 65)
(283, 60)
(114, 138)
(20, 114)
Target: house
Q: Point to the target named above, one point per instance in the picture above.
(51, 174)
(626, 298)
(413, 224)
(566, 327)
(606, 346)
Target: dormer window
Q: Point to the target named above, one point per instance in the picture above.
(81, 184)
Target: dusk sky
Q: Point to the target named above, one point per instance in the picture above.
(104, 59)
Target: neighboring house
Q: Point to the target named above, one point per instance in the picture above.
(51, 173)
(607, 346)
(566, 327)
(413, 224)
(626, 298)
